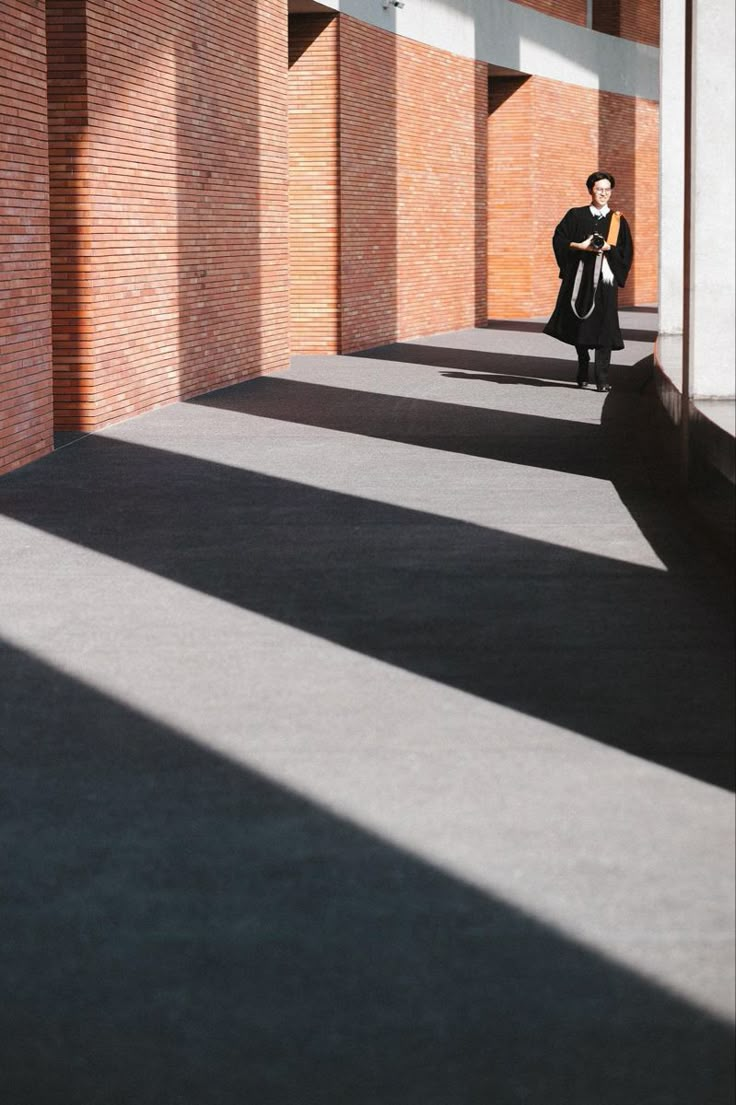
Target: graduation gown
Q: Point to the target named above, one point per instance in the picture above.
(601, 329)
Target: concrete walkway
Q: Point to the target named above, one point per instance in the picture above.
(366, 742)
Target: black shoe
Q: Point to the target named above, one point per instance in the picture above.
(603, 387)
(582, 380)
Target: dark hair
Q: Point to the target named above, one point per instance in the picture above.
(595, 177)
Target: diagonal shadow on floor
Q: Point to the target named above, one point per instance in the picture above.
(517, 621)
(528, 368)
(532, 326)
(533, 368)
(179, 929)
(618, 450)
(535, 441)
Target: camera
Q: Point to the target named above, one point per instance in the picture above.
(597, 241)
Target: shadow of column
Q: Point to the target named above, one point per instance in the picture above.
(66, 49)
(314, 183)
(606, 16)
(510, 155)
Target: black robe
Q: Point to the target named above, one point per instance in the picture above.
(601, 329)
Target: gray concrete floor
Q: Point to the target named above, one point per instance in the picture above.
(366, 736)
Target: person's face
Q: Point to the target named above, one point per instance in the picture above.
(601, 193)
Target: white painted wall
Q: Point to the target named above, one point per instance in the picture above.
(712, 277)
(517, 37)
(672, 162)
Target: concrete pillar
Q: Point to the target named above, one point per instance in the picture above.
(712, 282)
(672, 160)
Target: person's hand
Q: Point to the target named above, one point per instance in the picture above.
(590, 248)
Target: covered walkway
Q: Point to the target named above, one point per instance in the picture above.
(366, 733)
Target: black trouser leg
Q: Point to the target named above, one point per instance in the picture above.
(583, 364)
(602, 363)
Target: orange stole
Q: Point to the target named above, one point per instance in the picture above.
(614, 228)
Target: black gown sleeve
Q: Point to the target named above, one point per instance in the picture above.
(621, 255)
(563, 235)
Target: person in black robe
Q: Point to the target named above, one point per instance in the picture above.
(592, 271)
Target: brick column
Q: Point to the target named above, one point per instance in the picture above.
(25, 305)
(169, 178)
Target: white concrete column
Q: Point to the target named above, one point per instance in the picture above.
(712, 278)
(672, 162)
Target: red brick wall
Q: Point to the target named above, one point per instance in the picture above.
(634, 19)
(412, 156)
(25, 308)
(314, 263)
(545, 138)
(629, 147)
(169, 199)
(179, 215)
(574, 11)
